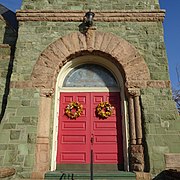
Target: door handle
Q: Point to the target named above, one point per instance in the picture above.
(92, 138)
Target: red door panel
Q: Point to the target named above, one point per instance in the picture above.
(74, 136)
(105, 146)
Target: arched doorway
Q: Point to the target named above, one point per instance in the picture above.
(90, 80)
(57, 60)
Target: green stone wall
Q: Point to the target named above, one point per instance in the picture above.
(19, 120)
(7, 40)
(4, 63)
(18, 131)
(36, 36)
(19, 126)
(7, 34)
(161, 126)
(159, 113)
(4, 60)
(93, 4)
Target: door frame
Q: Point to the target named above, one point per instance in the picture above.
(90, 120)
(87, 59)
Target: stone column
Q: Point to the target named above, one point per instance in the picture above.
(138, 120)
(42, 158)
(132, 121)
(136, 147)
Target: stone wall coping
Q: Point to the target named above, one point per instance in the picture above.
(103, 16)
(95, 11)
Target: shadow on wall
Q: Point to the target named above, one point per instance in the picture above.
(11, 29)
(168, 175)
(146, 153)
(10, 38)
(9, 17)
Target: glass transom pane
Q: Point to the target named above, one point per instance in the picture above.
(90, 75)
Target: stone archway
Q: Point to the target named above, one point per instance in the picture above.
(59, 52)
(56, 55)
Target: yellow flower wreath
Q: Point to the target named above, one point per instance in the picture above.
(77, 107)
(104, 110)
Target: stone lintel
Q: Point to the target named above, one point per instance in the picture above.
(102, 16)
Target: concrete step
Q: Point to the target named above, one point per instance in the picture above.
(75, 175)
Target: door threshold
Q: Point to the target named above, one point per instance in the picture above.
(86, 175)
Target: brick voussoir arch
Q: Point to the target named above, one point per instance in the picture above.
(57, 54)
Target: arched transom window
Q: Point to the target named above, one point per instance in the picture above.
(90, 75)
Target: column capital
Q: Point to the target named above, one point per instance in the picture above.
(134, 91)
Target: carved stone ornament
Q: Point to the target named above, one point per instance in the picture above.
(134, 92)
(137, 158)
(47, 92)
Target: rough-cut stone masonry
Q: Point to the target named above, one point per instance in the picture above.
(93, 4)
(147, 37)
(4, 64)
(39, 38)
(18, 114)
(2, 29)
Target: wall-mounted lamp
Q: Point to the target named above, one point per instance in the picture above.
(88, 18)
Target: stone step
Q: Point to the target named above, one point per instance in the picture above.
(121, 175)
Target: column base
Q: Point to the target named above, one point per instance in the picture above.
(137, 158)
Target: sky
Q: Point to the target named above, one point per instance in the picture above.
(172, 37)
(171, 33)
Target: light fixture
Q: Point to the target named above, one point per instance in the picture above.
(88, 18)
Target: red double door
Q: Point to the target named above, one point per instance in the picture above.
(77, 137)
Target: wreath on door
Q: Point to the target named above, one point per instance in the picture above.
(104, 110)
(73, 110)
